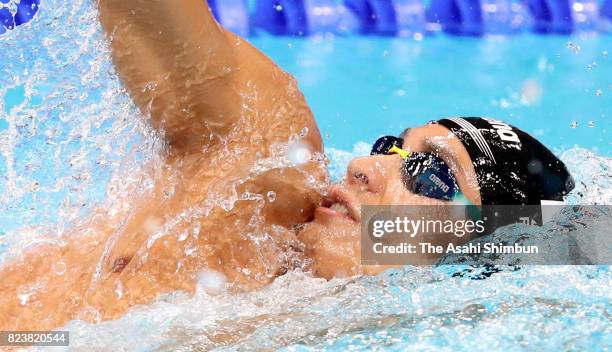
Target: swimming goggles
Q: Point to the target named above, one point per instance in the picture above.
(424, 174)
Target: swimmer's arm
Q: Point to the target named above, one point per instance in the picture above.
(177, 63)
(195, 79)
(44, 287)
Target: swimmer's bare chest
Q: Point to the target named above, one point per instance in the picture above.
(225, 218)
(231, 211)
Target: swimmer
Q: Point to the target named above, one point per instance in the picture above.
(222, 108)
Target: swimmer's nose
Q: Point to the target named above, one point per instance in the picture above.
(368, 173)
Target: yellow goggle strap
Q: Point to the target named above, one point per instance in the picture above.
(397, 150)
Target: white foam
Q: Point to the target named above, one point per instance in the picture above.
(211, 282)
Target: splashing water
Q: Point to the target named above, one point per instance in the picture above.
(62, 104)
(412, 309)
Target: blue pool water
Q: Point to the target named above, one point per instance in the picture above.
(361, 87)
(70, 137)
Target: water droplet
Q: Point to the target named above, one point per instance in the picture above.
(90, 314)
(534, 167)
(169, 191)
(211, 281)
(152, 224)
(591, 124)
(271, 196)
(605, 53)
(278, 7)
(59, 268)
(592, 65)
(227, 205)
(385, 53)
(542, 64)
(189, 250)
(575, 48)
(304, 132)
(574, 124)
(598, 92)
(531, 92)
(400, 92)
(298, 153)
(119, 290)
(23, 298)
(183, 236)
(196, 230)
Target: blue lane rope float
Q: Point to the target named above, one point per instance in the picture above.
(330, 16)
(375, 16)
(26, 9)
(281, 17)
(505, 16)
(586, 15)
(400, 17)
(462, 17)
(410, 16)
(304, 17)
(552, 16)
(384, 17)
(606, 10)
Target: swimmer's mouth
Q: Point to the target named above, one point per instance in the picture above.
(338, 203)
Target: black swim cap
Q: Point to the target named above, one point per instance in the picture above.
(512, 167)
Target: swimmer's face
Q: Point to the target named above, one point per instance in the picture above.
(333, 238)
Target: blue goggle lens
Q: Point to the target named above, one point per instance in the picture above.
(428, 175)
(424, 173)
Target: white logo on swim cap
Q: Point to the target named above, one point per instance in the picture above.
(436, 180)
(506, 133)
(477, 137)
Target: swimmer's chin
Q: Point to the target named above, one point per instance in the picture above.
(331, 243)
